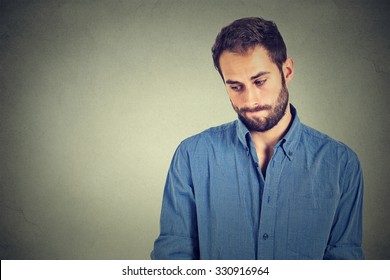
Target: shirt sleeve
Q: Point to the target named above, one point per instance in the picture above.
(346, 234)
(178, 237)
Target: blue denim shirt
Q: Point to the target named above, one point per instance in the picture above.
(217, 204)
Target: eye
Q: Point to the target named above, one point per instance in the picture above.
(237, 88)
(260, 82)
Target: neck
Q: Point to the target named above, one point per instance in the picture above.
(268, 139)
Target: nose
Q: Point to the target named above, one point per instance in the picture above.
(252, 96)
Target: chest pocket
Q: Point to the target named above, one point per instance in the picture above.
(309, 224)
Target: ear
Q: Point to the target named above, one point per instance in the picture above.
(288, 69)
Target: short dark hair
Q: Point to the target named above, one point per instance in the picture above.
(247, 33)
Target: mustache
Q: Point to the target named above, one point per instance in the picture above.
(254, 109)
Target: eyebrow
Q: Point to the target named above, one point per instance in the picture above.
(262, 73)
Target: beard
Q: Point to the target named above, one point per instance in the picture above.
(276, 112)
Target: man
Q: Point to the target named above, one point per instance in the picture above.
(264, 186)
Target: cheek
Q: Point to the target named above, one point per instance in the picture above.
(270, 88)
(237, 99)
(271, 93)
(232, 96)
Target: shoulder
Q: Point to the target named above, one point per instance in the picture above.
(321, 143)
(214, 136)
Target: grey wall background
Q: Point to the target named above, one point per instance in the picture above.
(96, 95)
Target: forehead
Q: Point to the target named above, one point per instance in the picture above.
(239, 66)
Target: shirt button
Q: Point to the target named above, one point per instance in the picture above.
(265, 236)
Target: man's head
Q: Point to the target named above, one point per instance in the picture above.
(247, 33)
(251, 58)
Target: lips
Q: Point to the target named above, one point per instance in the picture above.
(255, 109)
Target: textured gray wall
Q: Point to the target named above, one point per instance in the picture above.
(96, 95)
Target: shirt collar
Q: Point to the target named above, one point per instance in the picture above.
(288, 143)
(291, 139)
(243, 133)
